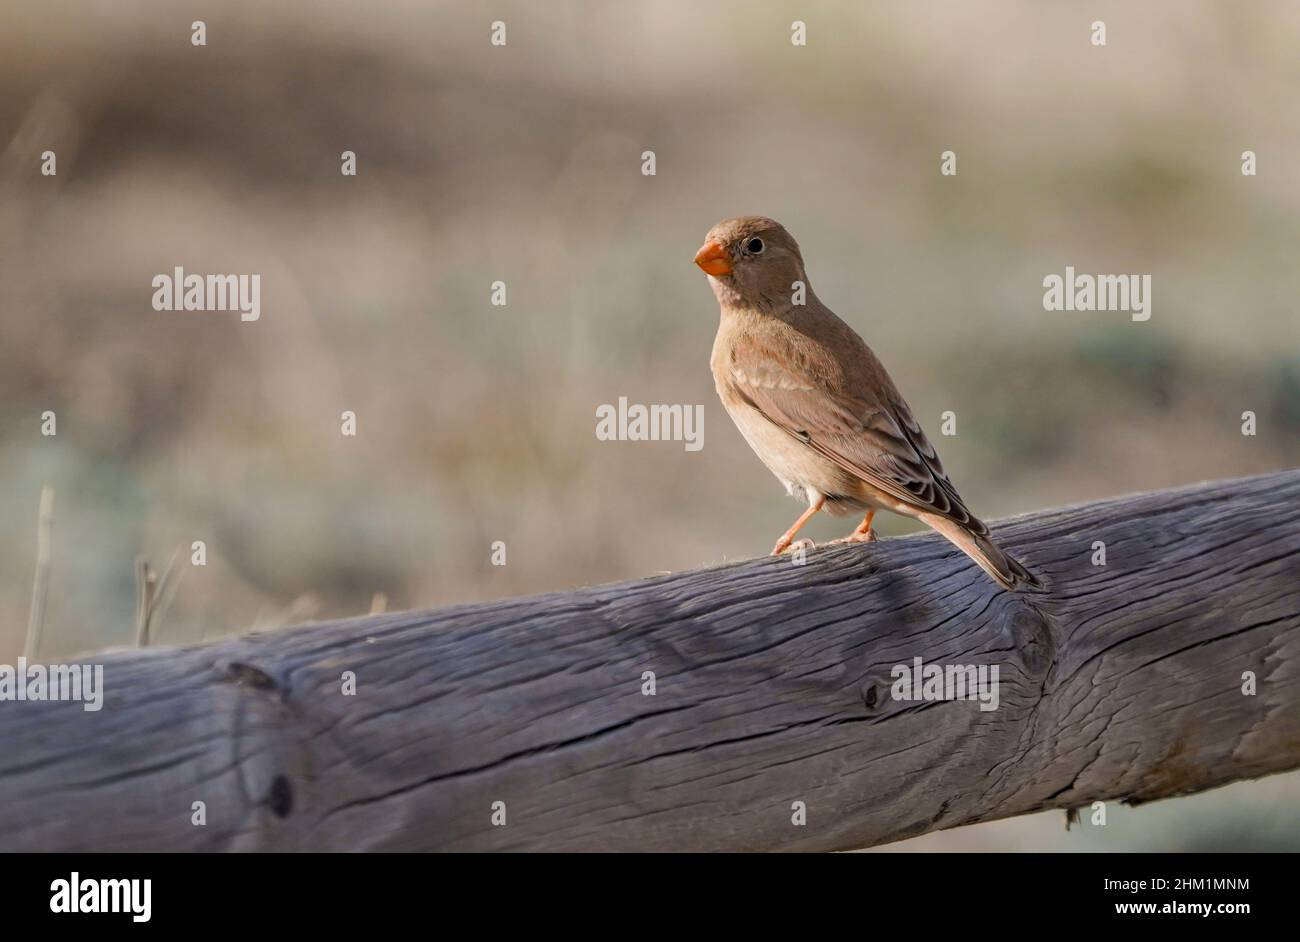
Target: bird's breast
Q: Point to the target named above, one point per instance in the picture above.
(795, 464)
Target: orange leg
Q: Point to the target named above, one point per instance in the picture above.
(863, 534)
(788, 537)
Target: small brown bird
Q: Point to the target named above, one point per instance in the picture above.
(817, 406)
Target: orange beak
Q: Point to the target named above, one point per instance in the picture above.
(713, 259)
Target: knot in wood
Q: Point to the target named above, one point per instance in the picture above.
(1031, 633)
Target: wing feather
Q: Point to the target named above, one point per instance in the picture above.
(870, 434)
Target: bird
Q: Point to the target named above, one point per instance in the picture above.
(816, 404)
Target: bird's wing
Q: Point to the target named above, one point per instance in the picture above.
(867, 430)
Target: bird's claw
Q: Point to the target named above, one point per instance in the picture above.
(855, 537)
(805, 544)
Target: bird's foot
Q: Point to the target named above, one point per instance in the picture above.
(787, 538)
(789, 546)
(863, 533)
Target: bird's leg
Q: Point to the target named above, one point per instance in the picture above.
(863, 534)
(787, 538)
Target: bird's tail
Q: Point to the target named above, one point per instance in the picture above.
(990, 557)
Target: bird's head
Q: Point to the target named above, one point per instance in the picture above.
(751, 261)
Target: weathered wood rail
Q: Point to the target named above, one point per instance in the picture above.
(773, 686)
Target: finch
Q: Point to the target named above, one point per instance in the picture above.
(817, 406)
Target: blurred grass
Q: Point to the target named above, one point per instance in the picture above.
(522, 163)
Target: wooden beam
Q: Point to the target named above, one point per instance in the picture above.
(773, 685)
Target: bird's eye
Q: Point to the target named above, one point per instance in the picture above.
(754, 246)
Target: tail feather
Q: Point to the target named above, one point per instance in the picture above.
(990, 557)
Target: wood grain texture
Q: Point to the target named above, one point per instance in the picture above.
(773, 686)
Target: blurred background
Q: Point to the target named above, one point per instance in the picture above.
(522, 163)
